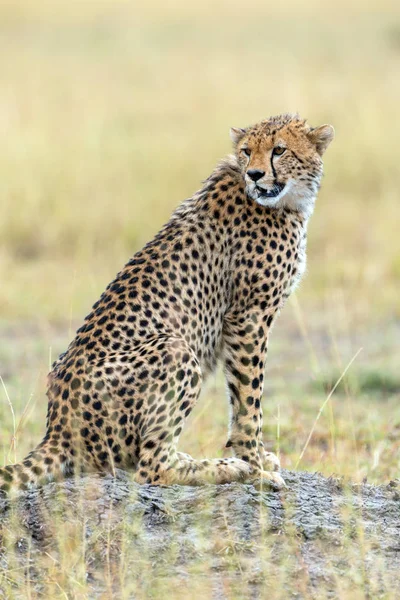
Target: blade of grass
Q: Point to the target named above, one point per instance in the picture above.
(13, 444)
(324, 404)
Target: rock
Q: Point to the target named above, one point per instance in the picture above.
(317, 530)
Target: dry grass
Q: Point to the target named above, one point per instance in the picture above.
(111, 113)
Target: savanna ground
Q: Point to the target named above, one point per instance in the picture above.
(113, 112)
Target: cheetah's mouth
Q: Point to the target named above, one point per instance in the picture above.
(276, 189)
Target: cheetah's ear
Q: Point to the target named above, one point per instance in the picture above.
(237, 133)
(321, 137)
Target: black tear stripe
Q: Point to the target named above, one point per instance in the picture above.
(297, 157)
(273, 168)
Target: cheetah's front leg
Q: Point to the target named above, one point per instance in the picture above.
(245, 356)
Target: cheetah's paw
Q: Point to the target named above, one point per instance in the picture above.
(269, 460)
(269, 479)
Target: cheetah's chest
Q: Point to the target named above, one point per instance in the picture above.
(301, 264)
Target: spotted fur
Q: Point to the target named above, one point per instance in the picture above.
(207, 287)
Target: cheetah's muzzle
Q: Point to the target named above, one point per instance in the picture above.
(276, 189)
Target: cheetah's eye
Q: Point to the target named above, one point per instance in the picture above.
(279, 150)
(246, 151)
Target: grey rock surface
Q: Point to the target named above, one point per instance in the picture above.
(317, 525)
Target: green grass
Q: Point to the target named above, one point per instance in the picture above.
(364, 382)
(111, 113)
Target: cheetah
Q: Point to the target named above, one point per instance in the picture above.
(208, 287)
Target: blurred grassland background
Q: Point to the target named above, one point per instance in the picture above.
(112, 112)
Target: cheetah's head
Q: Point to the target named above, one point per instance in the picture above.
(281, 162)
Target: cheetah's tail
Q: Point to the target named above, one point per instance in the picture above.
(41, 465)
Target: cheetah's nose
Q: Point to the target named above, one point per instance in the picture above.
(255, 174)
